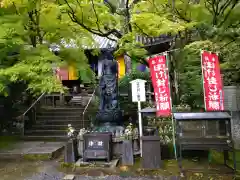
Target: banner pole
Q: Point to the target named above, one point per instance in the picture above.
(204, 98)
(140, 125)
(173, 124)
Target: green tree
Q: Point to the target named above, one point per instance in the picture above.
(27, 28)
(121, 21)
(215, 28)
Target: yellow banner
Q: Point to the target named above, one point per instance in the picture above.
(72, 72)
(121, 66)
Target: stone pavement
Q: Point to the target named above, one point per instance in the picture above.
(20, 149)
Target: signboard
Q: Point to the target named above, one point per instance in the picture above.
(138, 90)
(160, 80)
(212, 82)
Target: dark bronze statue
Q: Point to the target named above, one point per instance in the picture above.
(108, 86)
(109, 111)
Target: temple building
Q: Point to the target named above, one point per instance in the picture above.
(70, 76)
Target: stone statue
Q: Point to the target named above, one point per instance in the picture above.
(108, 85)
(109, 111)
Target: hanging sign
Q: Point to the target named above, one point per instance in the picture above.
(160, 80)
(212, 82)
(138, 90)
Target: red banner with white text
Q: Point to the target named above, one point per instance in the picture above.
(160, 80)
(212, 82)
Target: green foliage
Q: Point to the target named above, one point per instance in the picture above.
(154, 18)
(125, 80)
(216, 29)
(26, 30)
(125, 88)
(190, 72)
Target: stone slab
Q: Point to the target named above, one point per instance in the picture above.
(31, 148)
(51, 144)
(69, 177)
(113, 163)
(42, 150)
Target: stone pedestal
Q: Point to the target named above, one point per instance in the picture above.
(80, 147)
(127, 152)
(70, 151)
(151, 152)
(136, 145)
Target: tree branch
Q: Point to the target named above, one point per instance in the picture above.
(128, 16)
(229, 12)
(181, 16)
(141, 29)
(74, 18)
(233, 40)
(97, 21)
(224, 6)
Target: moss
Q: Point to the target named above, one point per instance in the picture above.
(67, 165)
(217, 157)
(34, 157)
(8, 141)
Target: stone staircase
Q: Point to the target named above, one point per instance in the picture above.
(52, 122)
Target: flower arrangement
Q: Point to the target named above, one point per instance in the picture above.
(128, 133)
(183, 108)
(81, 133)
(164, 126)
(71, 132)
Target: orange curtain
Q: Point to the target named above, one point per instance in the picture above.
(121, 66)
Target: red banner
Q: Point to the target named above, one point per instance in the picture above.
(212, 82)
(160, 80)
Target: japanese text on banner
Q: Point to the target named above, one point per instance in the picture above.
(160, 81)
(212, 82)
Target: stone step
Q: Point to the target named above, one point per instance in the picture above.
(43, 132)
(33, 149)
(73, 109)
(59, 117)
(61, 122)
(55, 127)
(44, 138)
(64, 114)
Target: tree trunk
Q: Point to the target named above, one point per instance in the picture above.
(128, 64)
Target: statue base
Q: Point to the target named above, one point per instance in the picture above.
(109, 121)
(110, 116)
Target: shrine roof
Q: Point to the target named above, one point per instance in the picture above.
(105, 43)
(190, 115)
(201, 115)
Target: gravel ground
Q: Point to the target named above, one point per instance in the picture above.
(43, 176)
(125, 178)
